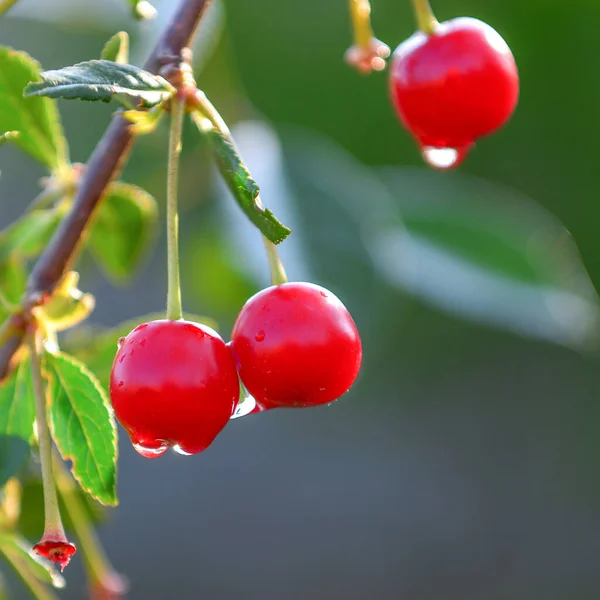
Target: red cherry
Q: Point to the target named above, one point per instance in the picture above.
(453, 86)
(296, 345)
(57, 549)
(173, 383)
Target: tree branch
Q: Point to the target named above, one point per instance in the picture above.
(103, 166)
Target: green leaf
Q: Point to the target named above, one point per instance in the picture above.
(125, 226)
(98, 348)
(19, 553)
(30, 234)
(103, 80)
(240, 182)
(143, 121)
(13, 281)
(17, 404)
(82, 425)
(36, 119)
(117, 48)
(141, 9)
(487, 253)
(14, 451)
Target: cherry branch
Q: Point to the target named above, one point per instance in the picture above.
(103, 166)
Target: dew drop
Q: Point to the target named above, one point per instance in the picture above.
(120, 384)
(150, 452)
(122, 357)
(143, 343)
(444, 158)
(260, 336)
(245, 407)
(180, 450)
(120, 342)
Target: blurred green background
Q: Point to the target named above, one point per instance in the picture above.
(465, 461)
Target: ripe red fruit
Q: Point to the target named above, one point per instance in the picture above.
(173, 383)
(296, 345)
(453, 86)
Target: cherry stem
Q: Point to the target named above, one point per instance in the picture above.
(424, 16)
(174, 311)
(360, 11)
(36, 588)
(52, 522)
(97, 563)
(278, 274)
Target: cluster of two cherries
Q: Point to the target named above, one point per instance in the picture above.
(177, 384)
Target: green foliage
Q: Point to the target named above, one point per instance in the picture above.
(30, 234)
(97, 349)
(124, 227)
(17, 404)
(82, 425)
(117, 48)
(240, 182)
(35, 119)
(14, 451)
(103, 80)
(13, 280)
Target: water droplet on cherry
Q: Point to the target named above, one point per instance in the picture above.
(260, 336)
(444, 158)
(180, 450)
(120, 342)
(245, 407)
(147, 452)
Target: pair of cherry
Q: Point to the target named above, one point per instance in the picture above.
(176, 383)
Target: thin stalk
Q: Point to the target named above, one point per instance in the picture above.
(52, 521)
(424, 16)
(95, 558)
(174, 310)
(278, 274)
(360, 11)
(36, 588)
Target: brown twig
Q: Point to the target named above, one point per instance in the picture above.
(104, 165)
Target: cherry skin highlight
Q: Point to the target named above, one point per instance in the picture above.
(296, 345)
(173, 384)
(455, 85)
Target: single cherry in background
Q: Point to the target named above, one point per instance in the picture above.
(452, 86)
(296, 345)
(173, 384)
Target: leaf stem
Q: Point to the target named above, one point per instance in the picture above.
(424, 16)
(36, 588)
(174, 310)
(278, 274)
(360, 11)
(52, 522)
(97, 563)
